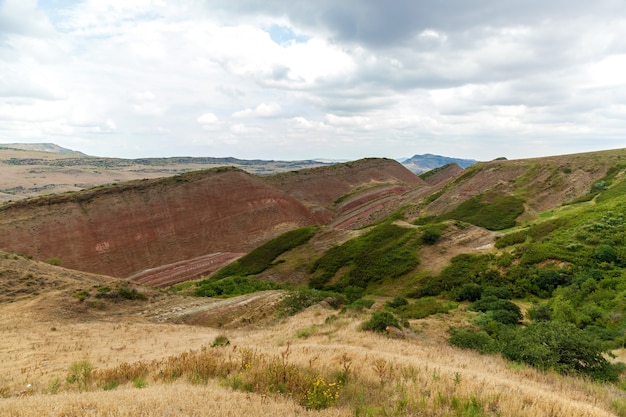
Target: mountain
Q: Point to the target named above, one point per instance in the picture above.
(59, 169)
(422, 163)
(41, 147)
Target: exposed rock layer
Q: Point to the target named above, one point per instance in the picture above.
(127, 228)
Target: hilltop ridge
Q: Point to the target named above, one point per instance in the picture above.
(125, 228)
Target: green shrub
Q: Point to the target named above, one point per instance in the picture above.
(505, 316)
(220, 341)
(298, 300)
(80, 374)
(360, 304)
(82, 295)
(421, 308)
(503, 311)
(562, 347)
(541, 231)
(229, 287)
(431, 235)
(111, 385)
(475, 340)
(352, 293)
(140, 382)
(54, 261)
(262, 257)
(491, 211)
(130, 293)
(379, 321)
(463, 269)
(545, 281)
(385, 252)
(511, 239)
(397, 302)
(468, 292)
(498, 292)
(605, 253)
(540, 313)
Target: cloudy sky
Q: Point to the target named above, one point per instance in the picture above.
(285, 79)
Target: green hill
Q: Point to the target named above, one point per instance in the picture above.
(564, 268)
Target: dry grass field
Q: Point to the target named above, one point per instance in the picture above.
(57, 359)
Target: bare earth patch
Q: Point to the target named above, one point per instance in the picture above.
(456, 241)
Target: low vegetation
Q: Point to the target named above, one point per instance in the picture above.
(262, 257)
(230, 287)
(384, 253)
(491, 211)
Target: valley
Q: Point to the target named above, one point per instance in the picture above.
(491, 290)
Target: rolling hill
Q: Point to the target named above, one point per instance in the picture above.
(123, 229)
(495, 290)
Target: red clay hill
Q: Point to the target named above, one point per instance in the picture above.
(185, 220)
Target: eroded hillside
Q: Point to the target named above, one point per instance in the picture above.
(119, 230)
(131, 227)
(543, 183)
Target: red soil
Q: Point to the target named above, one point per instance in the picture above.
(173, 229)
(140, 225)
(167, 275)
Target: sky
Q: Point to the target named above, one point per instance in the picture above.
(291, 80)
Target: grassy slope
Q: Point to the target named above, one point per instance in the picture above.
(421, 375)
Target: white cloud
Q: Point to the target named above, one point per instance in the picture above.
(293, 80)
(23, 18)
(610, 71)
(262, 110)
(207, 119)
(242, 129)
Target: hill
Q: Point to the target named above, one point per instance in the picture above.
(423, 163)
(41, 147)
(29, 170)
(354, 193)
(494, 290)
(123, 229)
(542, 183)
(32, 169)
(73, 349)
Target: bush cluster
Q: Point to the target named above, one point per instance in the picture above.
(229, 287)
(386, 252)
(491, 211)
(262, 257)
(379, 321)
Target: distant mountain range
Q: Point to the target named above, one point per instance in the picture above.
(40, 147)
(417, 163)
(422, 163)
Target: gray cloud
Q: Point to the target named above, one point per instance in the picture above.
(384, 24)
(344, 79)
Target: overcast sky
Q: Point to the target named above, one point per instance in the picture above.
(340, 79)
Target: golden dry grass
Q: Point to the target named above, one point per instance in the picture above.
(417, 376)
(179, 399)
(43, 332)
